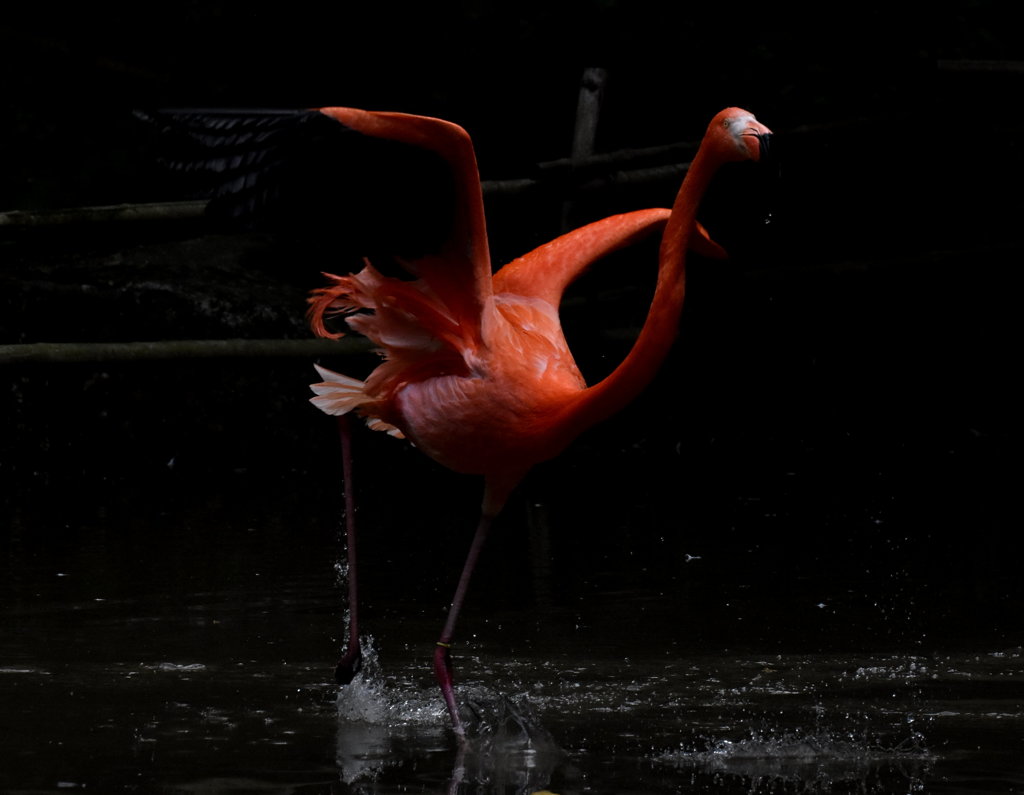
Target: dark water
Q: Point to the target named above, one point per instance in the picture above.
(156, 644)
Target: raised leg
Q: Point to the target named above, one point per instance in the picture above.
(352, 658)
(442, 654)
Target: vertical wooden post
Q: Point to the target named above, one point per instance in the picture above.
(588, 109)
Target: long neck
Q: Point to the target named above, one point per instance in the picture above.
(658, 333)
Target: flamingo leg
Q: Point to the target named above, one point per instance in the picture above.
(442, 653)
(352, 659)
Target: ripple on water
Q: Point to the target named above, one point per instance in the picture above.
(801, 760)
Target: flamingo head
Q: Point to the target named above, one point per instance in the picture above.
(737, 135)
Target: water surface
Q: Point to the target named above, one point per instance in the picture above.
(189, 650)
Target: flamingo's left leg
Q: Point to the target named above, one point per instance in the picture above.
(352, 659)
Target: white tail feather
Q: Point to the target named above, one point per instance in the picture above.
(339, 394)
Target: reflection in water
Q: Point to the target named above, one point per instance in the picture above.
(507, 749)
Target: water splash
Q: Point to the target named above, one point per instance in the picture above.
(169, 667)
(508, 750)
(341, 574)
(373, 698)
(380, 715)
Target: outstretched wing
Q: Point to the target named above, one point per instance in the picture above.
(459, 273)
(301, 171)
(377, 185)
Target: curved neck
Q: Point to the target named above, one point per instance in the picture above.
(608, 396)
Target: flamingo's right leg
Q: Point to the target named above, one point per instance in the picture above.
(442, 652)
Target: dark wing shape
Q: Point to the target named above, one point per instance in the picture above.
(305, 173)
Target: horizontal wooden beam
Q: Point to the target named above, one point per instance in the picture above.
(93, 352)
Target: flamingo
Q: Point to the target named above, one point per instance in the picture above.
(477, 372)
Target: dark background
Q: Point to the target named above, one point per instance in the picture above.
(835, 426)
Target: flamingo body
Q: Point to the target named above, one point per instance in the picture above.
(494, 404)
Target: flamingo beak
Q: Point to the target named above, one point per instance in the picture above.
(761, 149)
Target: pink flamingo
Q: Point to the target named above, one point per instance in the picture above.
(477, 371)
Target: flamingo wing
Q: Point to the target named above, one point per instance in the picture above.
(304, 172)
(458, 271)
(388, 186)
